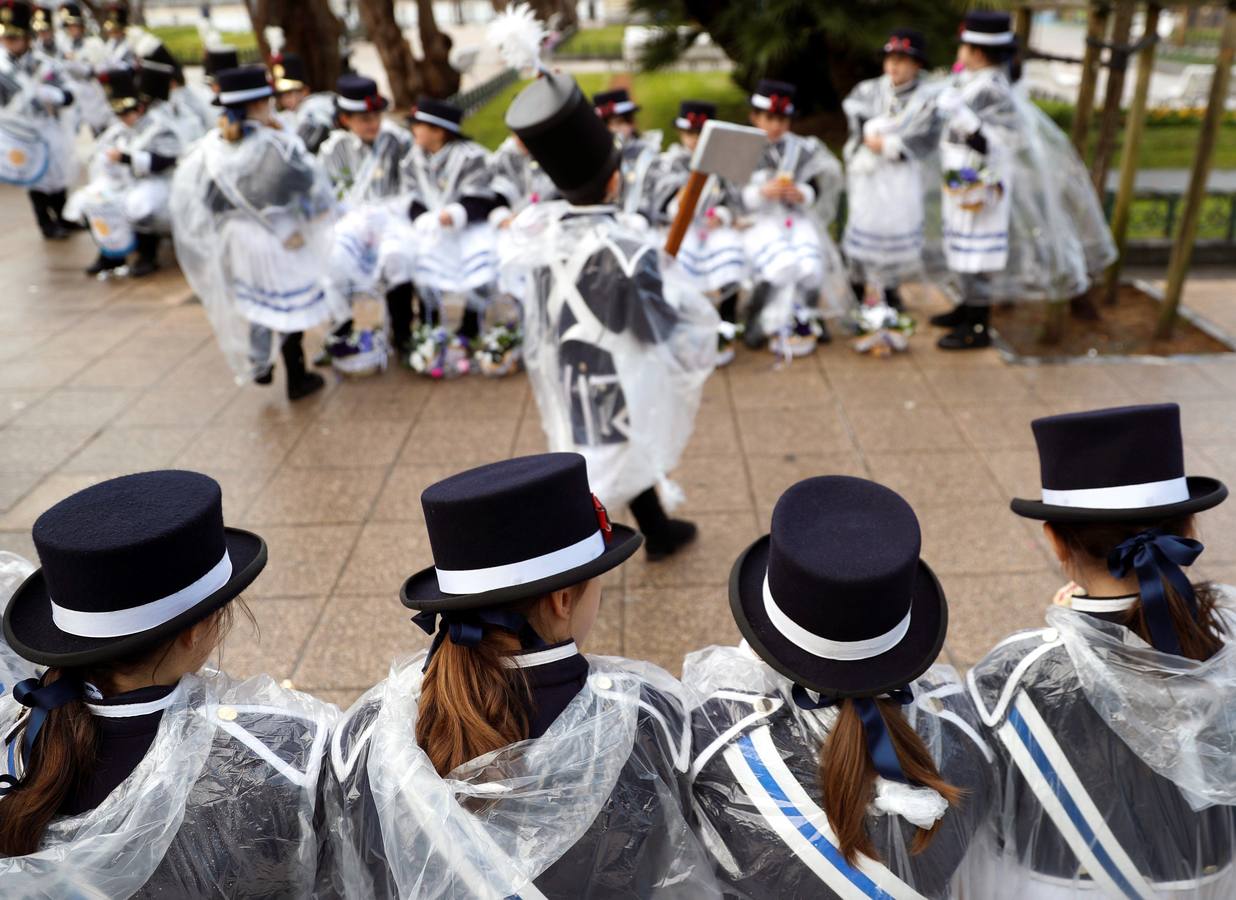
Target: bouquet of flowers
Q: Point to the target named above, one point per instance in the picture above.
(364, 352)
(973, 186)
(500, 350)
(438, 353)
(802, 334)
(882, 329)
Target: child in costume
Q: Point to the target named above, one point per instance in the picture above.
(889, 164)
(1114, 725)
(800, 279)
(712, 252)
(1021, 218)
(83, 56)
(641, 151)
(253, 212)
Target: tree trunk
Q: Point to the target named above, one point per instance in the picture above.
(310, 29)
(438, 79)
(378, 19)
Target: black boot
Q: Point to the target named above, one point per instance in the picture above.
(663, 536)
(147, 256)
(860, 290)
(340, 331)
(43, 214)
(753, 335)
(399, 313)
(972, 333)
(57, 201)
(104, 264)
(951, 319)
(470, 327)
(300, 383)
(728, 307)
(892, 297)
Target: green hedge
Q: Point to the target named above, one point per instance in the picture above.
(185, 43)
(593, 43)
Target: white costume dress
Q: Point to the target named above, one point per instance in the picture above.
(82, 60)
(881, 247)
(36, 128)
(253, 224)
(520, 182)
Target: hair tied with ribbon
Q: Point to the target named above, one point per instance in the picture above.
(879, 743)
(1157, 556)
(40, 699)
(466, 627)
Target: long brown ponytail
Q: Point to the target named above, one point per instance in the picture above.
(64, 753)
(1201, 636)
(847, 776)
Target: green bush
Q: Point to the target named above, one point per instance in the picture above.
(185, 43)
(593, 43)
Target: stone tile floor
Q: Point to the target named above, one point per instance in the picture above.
(99, 379)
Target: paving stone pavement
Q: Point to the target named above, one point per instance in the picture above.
(99, 379)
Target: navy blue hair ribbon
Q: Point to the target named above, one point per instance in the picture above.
(40, 699)
(466, 627)
(879, 743)
(1156, 556)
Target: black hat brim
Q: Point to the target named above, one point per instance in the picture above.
(33, 634)
(1204, 493)
(911, 657)
(421, 591)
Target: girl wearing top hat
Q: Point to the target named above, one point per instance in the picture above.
(129, 769)
(889, 163)
(831, 758)
(640, 151)
(83, 56)
(253, 214)
(115, 30)
(799, 275)
(503, 761)
(1021, 219)
(310, 116)
(1114, 725)
(712, 252)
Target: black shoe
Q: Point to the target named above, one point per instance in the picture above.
(266, 376)
(55, 232)
(753, 335)
(309, 383)
(825, 336)
(892, 297)
(104, 264)
(143, 267)
(956, 316)
(671, 537)
(966, 337)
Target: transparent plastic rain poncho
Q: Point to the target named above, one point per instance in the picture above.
(1139, 745)
(518, 178)
(223, 804)
(253, 224)
(14, 570)
(905, 176)
(36, 129)
(617, 344)
(1057, 236)
(753, 743)
(593, 808)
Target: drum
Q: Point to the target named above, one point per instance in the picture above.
(24, 154)
(110, 228)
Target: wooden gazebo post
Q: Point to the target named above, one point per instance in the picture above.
(1096, 30)
(1122, 24)
(1186, 236)
(1134, 127)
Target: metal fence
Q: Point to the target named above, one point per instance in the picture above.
(473, 99)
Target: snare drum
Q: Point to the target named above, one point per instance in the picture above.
(24, 154)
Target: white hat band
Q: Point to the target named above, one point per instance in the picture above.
(984, 39)
(347, 103)
(477, 581)
(759, 101)
(123, 622)
(430, 119)
(1125, 496)
(231, 98)
(826, 648)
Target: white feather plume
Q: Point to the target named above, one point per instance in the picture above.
(275, 39)
(144, 43)
(518, 35)
(211, 38)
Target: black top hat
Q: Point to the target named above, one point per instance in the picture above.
(244, 85)
(514, 530)
(617, 102)
(988, 28)
(15, 18)
(356, 93)
(437, 112)
(907, 42)
(163, 56)
(1116, 465)
(774, 96)
(835, 597)
(116, 15)
(289, 73)
(41, 21)
(71, 14)
(121, 88)
(217, 59)
(564, 135)
(125, 564)
(692, 114)
(154, 79)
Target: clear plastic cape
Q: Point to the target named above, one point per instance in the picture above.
(36, 138)
(617, 343)
(517, 177)
(1057, 234)
(500, 824)
(223, 804)
(260, 211)
(1096, 738)
(14, 570)
(739, 696)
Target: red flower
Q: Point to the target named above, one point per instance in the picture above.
(696, 120)
(779, 105)
(607, 529)
(605, 110)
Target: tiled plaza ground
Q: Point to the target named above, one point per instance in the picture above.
(101, 379)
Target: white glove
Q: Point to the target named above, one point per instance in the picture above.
(425, 222)
(49, 95)
(965, 121)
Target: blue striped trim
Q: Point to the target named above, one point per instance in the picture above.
(804, 827)
(1022, 728)
(954, 233)
(246, 297)
(876, 236)
(703, 256)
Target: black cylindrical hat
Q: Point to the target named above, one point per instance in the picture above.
(154, 80)
(244, 85)
(216, 59)
(121, 88)
(116, 15)
(16, 17)
(565, 136)
(988, 28)
(356, 93)
(774, 96)
(907, 42)
(288, 72)
(442, 113)
(1124, 464)
(71, 14)
(126, 563)
(617, 102)
(692, 114)
(514, 530)
(161, 54)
